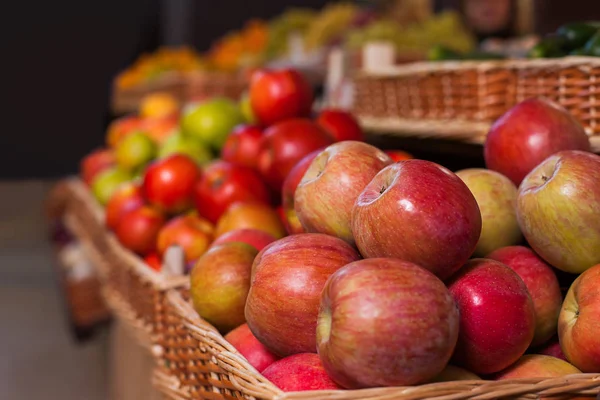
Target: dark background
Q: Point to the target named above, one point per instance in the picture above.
(59, 57)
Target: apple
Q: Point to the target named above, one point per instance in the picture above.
(542, 285)
(190, 232)
(153, 260)
(158, 104)
(496, 197)
(284, 145)
(135, 151)
(246, 108)
(290, 218)
(419, 212)
(186, 145)
(160, 129)
(251, 215)
(254, 237)
(121, 127)
(168, 183)
(340, 124)
(107, 182)
(398, 155)
(553, 349)
(211, 121)
(287, 279)
(579, 322)
(223, 184)
(537, 366)
(299, 372)
(385, 322)
(94, 163)
(277, 95)
(527, 134)
(242, 146)
(497, 316)
(254, 351)
(138, 229)
(453, 373)
(126, 198)
(219, 284)
(558, 209)
(328, 190)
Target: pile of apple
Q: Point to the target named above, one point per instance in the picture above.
(403, 273)
(213, 172)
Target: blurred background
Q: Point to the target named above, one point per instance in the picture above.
(72, 67)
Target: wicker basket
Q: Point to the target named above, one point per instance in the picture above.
(198, 363)
(203, 85)
(133, 291)
(462, 99)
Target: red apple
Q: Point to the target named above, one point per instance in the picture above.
(496, 197)
(242, 146)
(553, 349)
(527, 134)
(169, 183)
(299, 372)
(558, 209)
(579, 322)
(385, 322)
(190, 232)
(287, 279)
(254, 351)
(497, 317)
(398, 155)
(96, 162)
(537, 366)
(153, 260)
(419, 212)
(223, 184)
(284, 145)
(328, 190)
(219, 284)
(452, 373)
(254, 237)
(138, 229)
(340, 124)
(278, 95)
(126, 198)
(542, 285)
(251, 216)
(121, 127)
(290, 218)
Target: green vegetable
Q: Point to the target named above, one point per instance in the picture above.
(592, 47)
(441, 53)
(548, 47)
(576, 34)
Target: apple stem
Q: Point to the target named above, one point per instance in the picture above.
(382, 190)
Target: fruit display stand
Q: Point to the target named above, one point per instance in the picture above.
(198, 363)
(461, 99)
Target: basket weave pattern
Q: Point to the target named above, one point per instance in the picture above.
(470, 95)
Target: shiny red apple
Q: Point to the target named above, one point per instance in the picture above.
(242, 146)
(287, 279)
(254, 351)
(290, 217)
(223, 184)
(285, 144)
(340, 124)
(527, 134)
(328, 190)
(254, 237)
(126, 198)
(299, 372)
(497, 316)
(543, 286)
(385, 322)
(138, 229)
(192, 233)
(419, 212)
(169, 183)
(277, 95)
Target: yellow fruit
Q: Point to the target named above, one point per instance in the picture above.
(159, 104)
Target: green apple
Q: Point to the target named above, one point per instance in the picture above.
(135, 150)
(212, 121)
(107, 182)
(496, 197)
(187, 145)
